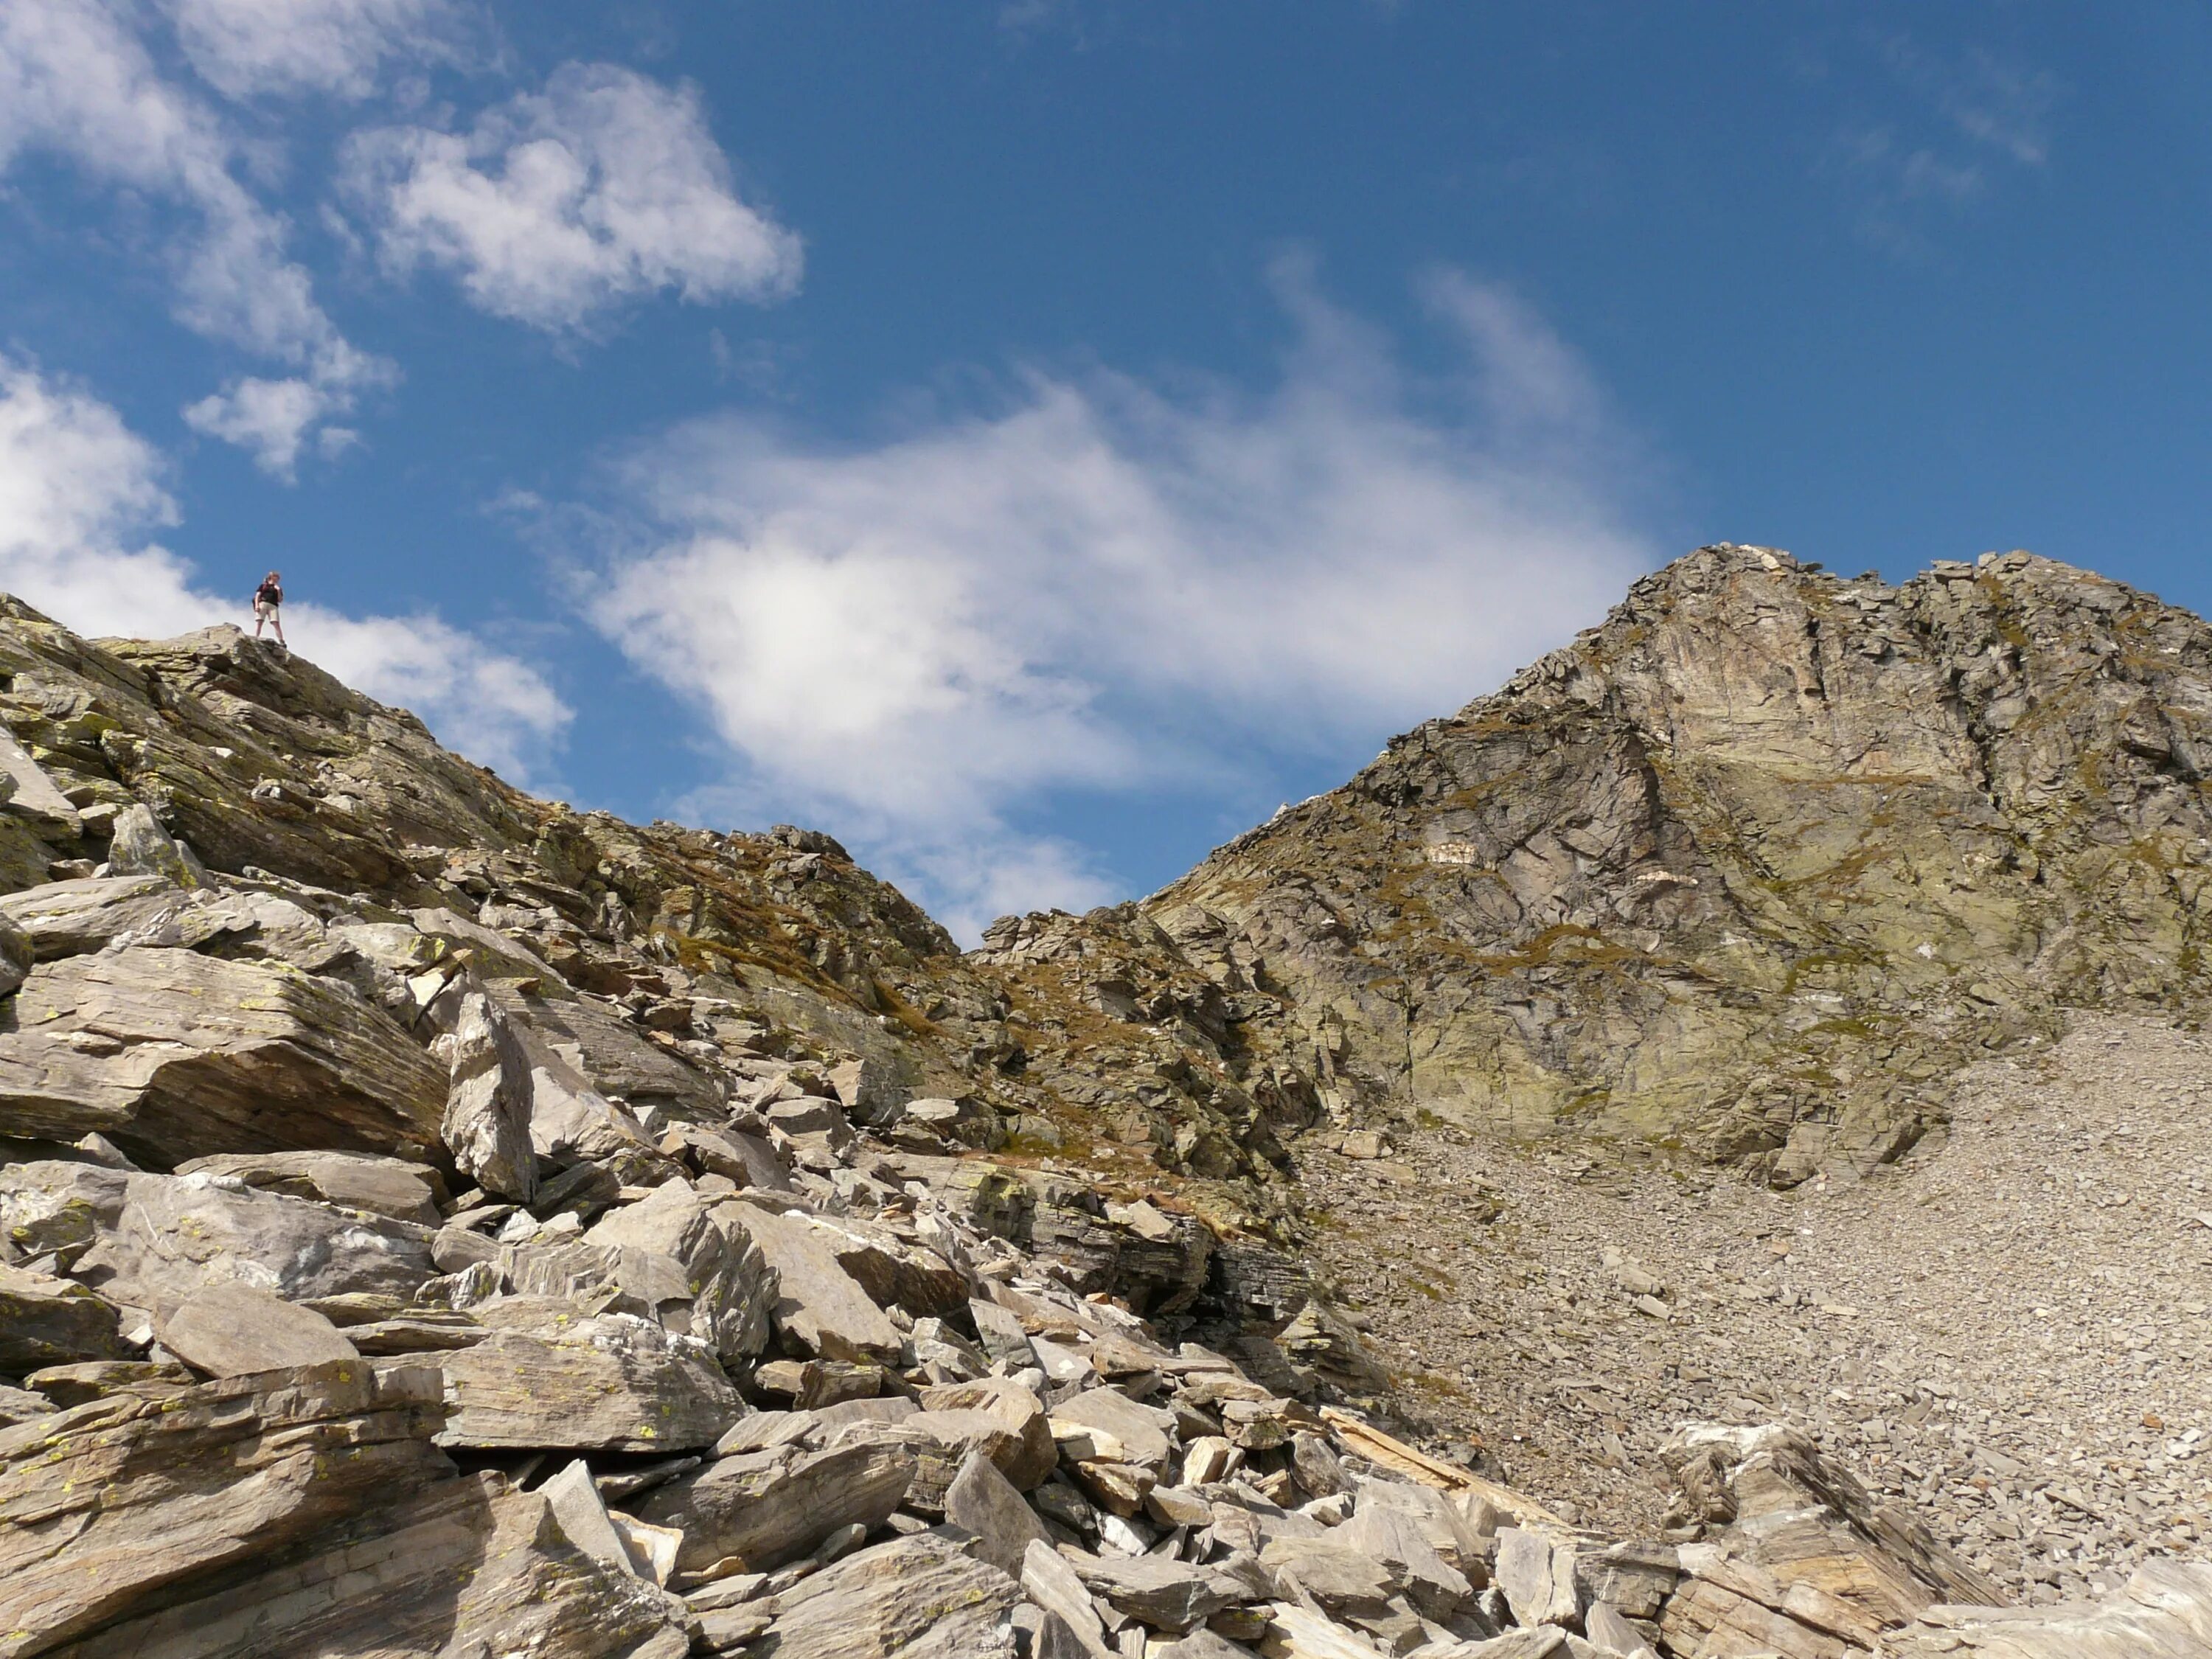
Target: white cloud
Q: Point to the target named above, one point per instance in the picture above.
(76, 81)
(243, 47)
(271, 419)
(558, 206)
(1108, 586)
(81, 495)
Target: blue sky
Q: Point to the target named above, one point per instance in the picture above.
(1034, 439)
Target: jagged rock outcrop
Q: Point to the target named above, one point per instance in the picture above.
(1750, 869)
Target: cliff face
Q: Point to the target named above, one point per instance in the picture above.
(1751, 868)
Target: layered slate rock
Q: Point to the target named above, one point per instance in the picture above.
(235, 1330)
(486, 1125)
(173, 1056)
(614, 1383)
(100, 1505)
(2163, 1612)
(820, 1307)
(913, 1598)
(459, 1568)
(760, 1509)
(170, 1236)
(396, 1188)
(45, 1321)
(1809, 1564)
(728, 1286)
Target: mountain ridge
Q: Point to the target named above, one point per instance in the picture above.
(433, 1219)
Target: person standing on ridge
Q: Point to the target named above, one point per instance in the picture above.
(268, 600)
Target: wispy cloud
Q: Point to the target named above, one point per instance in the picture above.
(82, 498)
(1960, 124)
(557, 207)
(339, 47)
(77, 82)
(1107, 584)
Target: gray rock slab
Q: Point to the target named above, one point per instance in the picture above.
(1106, 1425)
(1395, 1538)
(236, 1330)
(819, 1306)
(45, 1321)
(174, 1234)
(485, 1126)
(1166, 1595)
(112, 1502)
(770, 1507)
(1537, 1576)
(2163, 1612)
(462, 1567)
(72, 918)
(35, 794)
(983, 1501)
(997, 1416)
(1199, 1644)
(1609, 1632)
(398, 1188)
(576, 1505)
(58, 1208)
(912, 1598)
(609, 1383)
(1049, 1579)
(173, 1055)
(732, 1289)
(1341, 1577)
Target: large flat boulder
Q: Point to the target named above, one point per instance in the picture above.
(73, 918)
(1164, 1594)
(173, 1234)
(400, 1188)
(732, 1288)
(614, 1383)
(820, 1307)
(913, 1598)
(459, 1568)
(173, 1055)
(237, 1330)
(769, 1507)
(110, 1504)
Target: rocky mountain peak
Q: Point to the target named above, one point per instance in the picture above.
(1752, 867)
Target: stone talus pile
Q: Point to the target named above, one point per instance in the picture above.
(724, 1375)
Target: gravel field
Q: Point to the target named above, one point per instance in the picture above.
(2008, 1329)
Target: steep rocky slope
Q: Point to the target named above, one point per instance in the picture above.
(436, 1222)
(1749, 871)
